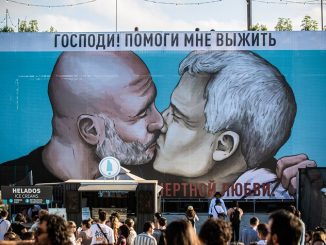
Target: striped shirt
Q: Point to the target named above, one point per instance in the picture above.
(145, 239)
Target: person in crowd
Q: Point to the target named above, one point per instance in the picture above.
(191, 216)
(123, 235)
(308, 237)
(284, 228)
(146, 238)
(85, 234)
(318, 238)
(72, 229)
(157, 217)
(159, 234)
(115, 224)
(101, 233)
(41, 213)
(235, 215)
(53, 230)
(250, 234)
(262, 230)
(217, 211)
(217, 195)
(11, 236)
(292, 209)
(4, 223)
(132, 235)
(19, 226)
(32, 211)
(215, 231)
(180, 232)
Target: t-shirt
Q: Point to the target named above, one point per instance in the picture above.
(98, 236)
(4, 226)
(216, 210)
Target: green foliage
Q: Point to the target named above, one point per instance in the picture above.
(258, 27)
(308, 24)
(284, 24)
(6, 29)
(32, 26)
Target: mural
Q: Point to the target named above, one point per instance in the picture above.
(199, 122)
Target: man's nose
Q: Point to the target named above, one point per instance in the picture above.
(166, 119)
(156, 122)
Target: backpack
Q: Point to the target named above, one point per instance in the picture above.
(235, 216)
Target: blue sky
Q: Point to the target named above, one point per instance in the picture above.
(101, 14)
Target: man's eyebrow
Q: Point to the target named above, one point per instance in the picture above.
(148, 102)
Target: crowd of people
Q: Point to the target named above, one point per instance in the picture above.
(284, 228)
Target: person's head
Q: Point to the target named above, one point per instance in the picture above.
(163, 222)
(86, 224)
(130, 223)
(190, 212)
(180, 232)
(20, 218)
(28, 236)
(148, 227)
(11, 236)
(102, 216)
(215, 231)
(72, 228)
(157, 217)
(228, 107)
(42, 212)
(218, 194)
(262, 230)
(254, 221)
(4, 214)
(103, 102)
(53, 230)
(308, 236)
(124, 231)
(284, 228)
(318, 236)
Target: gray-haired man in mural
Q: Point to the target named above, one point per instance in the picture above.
(229, 115)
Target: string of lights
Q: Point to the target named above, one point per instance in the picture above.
(282, 2)
(50, 6)
(183, 3)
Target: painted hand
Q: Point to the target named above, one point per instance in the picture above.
(288, 167)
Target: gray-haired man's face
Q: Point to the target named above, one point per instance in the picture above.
(185, 148)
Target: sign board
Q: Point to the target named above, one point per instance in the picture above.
(86, 213)
(198, 111)
(27, 194)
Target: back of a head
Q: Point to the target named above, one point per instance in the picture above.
(42, 212)
(4, 213)
(20, 218)
(147, 226)
(102, 216)
(158, 215)
(246, 94)
(254, 221)
(87, 223)
(124, 230)
(286, 226)
(215, 231)
(129, 222)
(180, 233)
(162, 222)
(262, 229)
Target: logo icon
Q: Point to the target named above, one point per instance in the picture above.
(109, 167)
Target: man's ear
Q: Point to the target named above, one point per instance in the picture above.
(226, 144)
(91, 129)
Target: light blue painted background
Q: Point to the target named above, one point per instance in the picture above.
(25, 119)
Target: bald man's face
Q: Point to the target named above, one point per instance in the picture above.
(117, 85)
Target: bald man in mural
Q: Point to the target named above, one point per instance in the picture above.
(103, 105)
(229, 115)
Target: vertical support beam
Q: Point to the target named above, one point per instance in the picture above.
(322, 15)
(116, 15)
(249, 14)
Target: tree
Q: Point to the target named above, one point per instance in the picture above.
(283, 24)
(31, 27)
(6, 29)
(258, 27)
(308, 24)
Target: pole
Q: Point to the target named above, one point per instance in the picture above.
(6, 18)
(322, 15)
(116, 15)
(249, 14)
